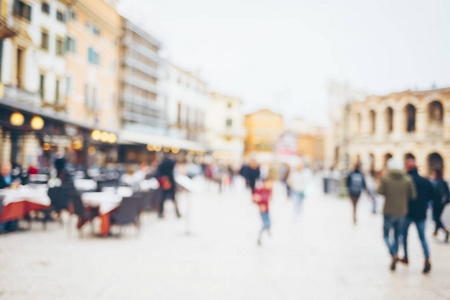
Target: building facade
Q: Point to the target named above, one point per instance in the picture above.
(186, 97)
(225, 128)
(310, 140)
(406, 124)
(263, 129)
(33, 69)
(141, 108)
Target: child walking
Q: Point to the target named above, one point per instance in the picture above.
(261, 197)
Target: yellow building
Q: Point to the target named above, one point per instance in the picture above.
(263, 128)
(94, 29)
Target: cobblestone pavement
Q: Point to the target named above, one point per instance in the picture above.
(319, 254)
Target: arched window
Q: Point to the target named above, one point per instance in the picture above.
(435, 162)
(409, 155)
(435, 113)
(410, 112)
(358, 123)
(389, 119)
(373, 121)
(387, 157)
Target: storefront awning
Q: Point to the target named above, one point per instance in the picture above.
(133, 137)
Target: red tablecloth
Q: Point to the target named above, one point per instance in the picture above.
(18, 210)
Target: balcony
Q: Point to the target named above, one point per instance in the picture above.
(142, 84)
(128, 42)
(6, 31)
(132, 62)
(21, 96)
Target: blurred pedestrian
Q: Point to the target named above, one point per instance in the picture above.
(253, 174)
(371, 189)
(299, 179)
(166, 179)
(441, 198)
(355, 185)
(60, 164)
(417, 212)
(261, 197)
(397, 188)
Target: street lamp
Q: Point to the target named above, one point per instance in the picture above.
(37, 123)
(17, 119)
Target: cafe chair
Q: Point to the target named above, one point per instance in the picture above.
(83, 214)
(128, 212)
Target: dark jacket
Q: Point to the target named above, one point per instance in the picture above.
(166, 168)
(441, 194)
(397, 188)
(361, 185)
(253, 175)
(417, 210)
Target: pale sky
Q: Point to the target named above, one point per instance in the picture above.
(281, 53)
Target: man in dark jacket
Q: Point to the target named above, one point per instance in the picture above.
(167, 183)
(417, 212)
(253, 174)
(441, 198)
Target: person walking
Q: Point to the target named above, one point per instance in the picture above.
(371, 189)
(253, 174)
(167, 184)
(417, 212)
(441, 198)
(397, 188)
(261, 197)
(355, 185)
(299, 180)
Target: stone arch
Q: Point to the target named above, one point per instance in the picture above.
(387, 156)
(435, 113)
(435, 162)
(373, 121)
(409, 155)
(371, 161)
(410, 112)
(389, 117)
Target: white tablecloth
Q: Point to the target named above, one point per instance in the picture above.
(105, 201)
(36, 195)
(85, 184)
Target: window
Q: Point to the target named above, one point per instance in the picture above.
(389, 119)
(373, 122)
(60, 16)
(93, 28)
(229, 123)
(41, 86)
(45, 8)
(410, 111)
(59, 47)
(71, 45)
(86, 95)
(94, 98)
(68, 85)
(73, 16)
(22, 10)
(57, 83)
(435, 113)
(93, 57)
(44, 40)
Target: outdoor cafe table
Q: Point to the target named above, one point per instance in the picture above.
(17, 203)
(106, 202)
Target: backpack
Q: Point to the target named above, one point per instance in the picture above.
(356, 183)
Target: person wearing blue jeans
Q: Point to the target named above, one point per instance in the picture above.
(394, 223)
(417, 211)
(421, 230)
(397, 188)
